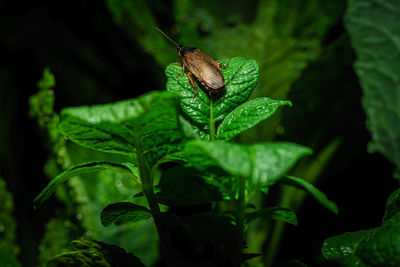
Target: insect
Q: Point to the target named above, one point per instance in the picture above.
(201, 66)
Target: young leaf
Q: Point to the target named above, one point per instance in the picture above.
(274, 213)
(182, 186)
(93, 166)
(102, 127)
(312, 190)
(148, 122)
(241, 76)
(263, 164)
(248, 115)
(123, 212)
(343, 245)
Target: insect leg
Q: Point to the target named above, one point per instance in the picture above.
(192, 83)
(178, 61)
(183, 71)
(221, 65)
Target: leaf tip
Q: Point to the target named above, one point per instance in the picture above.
(335, 208)
(37, 203)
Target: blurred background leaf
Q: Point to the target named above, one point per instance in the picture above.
(373, 27)
(9, 249)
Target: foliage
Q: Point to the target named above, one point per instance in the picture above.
(83, 196)
(148, 131)
(8, 248)
(95, 253)
(374, 247)
(373, 27)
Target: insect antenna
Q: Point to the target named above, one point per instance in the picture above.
(169, 38)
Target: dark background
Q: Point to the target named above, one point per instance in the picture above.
(95, 61)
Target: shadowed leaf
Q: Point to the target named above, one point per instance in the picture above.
(123, 212)
(312, 190)
(83, 168)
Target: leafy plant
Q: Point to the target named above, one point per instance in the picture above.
(373, 247)
(187, 140)
(372, 27)
(8, 248)
(94, 253)
(83, 197)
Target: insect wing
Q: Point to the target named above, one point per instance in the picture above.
(205, 69)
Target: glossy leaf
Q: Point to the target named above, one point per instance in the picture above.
(83, 168)
(263, 164)
(102, 127)
(343, 245)
(382, 247)
(374, 29)
(273, 213)
(248, 115)
(182, 186)
(241, 76)
(148, 122)
(123, 212)
(312, 190)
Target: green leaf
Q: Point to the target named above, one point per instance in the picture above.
(206, 232)
(374, 29)
(350, 261)
(192, 130)
(382, 247)
(289, 263)
(95, 253)
(273, 213)
(8, 244)
(148, 122)
(102, 127)
(343, 245)
(88, 167)
(312, 190)
(182, 186)
(241, 76)
(48, 81)
(123, 212)
(248, 115)
(392, 205)
(263, 164)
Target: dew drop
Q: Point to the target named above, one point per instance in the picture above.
(67, 224)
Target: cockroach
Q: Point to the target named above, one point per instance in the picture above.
(201, 66)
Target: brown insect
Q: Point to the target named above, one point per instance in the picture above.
(201, 66)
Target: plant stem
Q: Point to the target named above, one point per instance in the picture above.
(147, 182)
(212, 122)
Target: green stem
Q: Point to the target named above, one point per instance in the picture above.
(147, 182)
(212, 122)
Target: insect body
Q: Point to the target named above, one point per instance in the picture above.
(201, 66)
